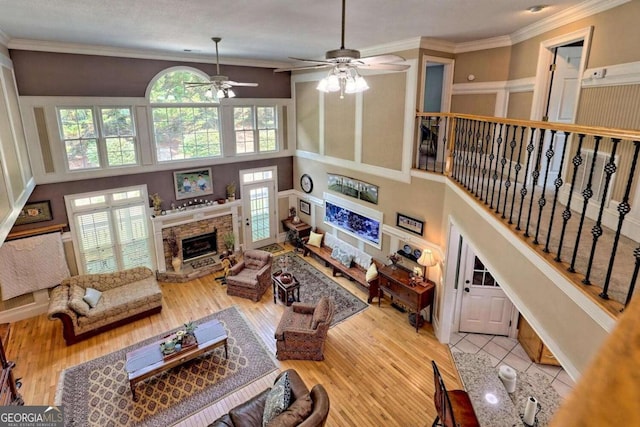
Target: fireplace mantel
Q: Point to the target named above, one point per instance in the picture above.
(198, 213)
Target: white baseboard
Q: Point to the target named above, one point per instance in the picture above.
(36, 308)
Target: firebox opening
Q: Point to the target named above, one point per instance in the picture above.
(200, 246)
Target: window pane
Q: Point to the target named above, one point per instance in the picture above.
(170, 88)
(267, 128)
(117, 122)
(121, 151)
(244, 129)
(82, 153)
(187, 132)
(77, 123)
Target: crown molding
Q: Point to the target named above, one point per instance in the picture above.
(398, 46)
(567, 16)
(437, 44)
(492, 43)
(82, 49)
(4, 38)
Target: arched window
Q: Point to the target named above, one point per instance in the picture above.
(186, 123)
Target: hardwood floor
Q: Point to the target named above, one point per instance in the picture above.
(377, 369)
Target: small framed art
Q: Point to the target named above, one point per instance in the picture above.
(305, 207)
(410, 224)
(193, 183)
(35, 212)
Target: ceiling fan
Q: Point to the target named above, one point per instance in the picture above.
(219, 85)
(344, 64)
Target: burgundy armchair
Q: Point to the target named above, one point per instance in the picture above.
(251, 277)
(303, 329)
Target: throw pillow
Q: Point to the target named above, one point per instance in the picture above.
(76, 301)
(336, 253)
(92, 296)
(372, 272)
(345, 259)
(315, 239)
(278, 399)
(294, 414)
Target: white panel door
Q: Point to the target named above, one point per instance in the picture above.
(562, 106)
(485, 307)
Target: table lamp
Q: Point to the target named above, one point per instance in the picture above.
(426, 260)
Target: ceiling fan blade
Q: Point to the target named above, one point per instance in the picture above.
(390, 67)
(380, 59)
(309, 67)
(232, 83)
(196, 84)
(315, 61)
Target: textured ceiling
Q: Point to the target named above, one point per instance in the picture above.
(264, 30)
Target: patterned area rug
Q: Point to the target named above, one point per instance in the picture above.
(97, 393)
(272, 248)
(315, 284)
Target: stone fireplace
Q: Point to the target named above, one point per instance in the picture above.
(200, 229)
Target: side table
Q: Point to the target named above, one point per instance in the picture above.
(288, 292)
(296, 231)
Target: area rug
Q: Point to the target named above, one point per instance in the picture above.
(272, 248)
(97, 393)
(314, 284)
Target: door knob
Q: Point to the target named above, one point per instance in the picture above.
(466, 289)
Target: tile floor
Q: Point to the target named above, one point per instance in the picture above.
(504, 350)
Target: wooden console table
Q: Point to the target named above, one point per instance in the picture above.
(397, 283)
(296, 231)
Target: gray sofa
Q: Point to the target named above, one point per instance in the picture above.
(126, 296)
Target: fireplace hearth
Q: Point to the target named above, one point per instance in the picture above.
(200, 246)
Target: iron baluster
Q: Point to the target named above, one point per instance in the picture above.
(487, 141)
(467, 158)
(517, 167)
(477, 150)
(557, 183)
(523, 190)
(535, 176)
(507, 183)
(457, 149)
(472, 155)
(495, 170)
(587, 193)
(634, 277)
(543, 201)
(480, 152)
(442, 130)
(566, 214)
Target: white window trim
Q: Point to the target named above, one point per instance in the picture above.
(256, 131)
(73, 210)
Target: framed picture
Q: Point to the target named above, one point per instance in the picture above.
(193, 183)
(305, 207)
(35, 212)
(334, 183)
(369, 192)
(410, 224)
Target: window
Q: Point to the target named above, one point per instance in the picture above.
(88, 142)
(110, 230)
(255, 126)
(185, 124)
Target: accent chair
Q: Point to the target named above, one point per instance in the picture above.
(251, 277)
(303, 329)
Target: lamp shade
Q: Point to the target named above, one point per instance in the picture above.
(426, 259)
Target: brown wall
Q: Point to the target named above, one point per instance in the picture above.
(64, 74)
(157, 182)
(520, 105)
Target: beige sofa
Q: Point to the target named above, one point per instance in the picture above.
(126, 296)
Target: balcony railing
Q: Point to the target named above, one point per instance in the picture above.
(568, 189)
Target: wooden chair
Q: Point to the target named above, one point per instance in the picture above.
(454, 407)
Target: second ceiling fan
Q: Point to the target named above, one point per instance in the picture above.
(218, 84)
(344, 76)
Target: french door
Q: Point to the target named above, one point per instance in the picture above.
(259, 207)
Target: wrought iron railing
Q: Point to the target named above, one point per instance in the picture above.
(567, 188)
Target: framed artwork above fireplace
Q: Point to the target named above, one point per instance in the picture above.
(193, 183)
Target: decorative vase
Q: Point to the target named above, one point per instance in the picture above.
(176, 262)
(232, 197)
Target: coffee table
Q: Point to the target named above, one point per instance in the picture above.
(288, 292)
(147, 361)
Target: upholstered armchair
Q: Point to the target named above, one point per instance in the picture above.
(303, 329)
(251, 277)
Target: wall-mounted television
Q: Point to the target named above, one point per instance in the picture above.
(358, 221)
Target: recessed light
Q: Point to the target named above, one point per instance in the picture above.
(537, 8)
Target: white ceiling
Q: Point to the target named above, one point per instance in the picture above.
(263, 30)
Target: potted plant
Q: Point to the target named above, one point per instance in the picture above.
(229, 241)
(189, 334)
(157, 203)
(231, 191)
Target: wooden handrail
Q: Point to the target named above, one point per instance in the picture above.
(624, 134)
(36, 231)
